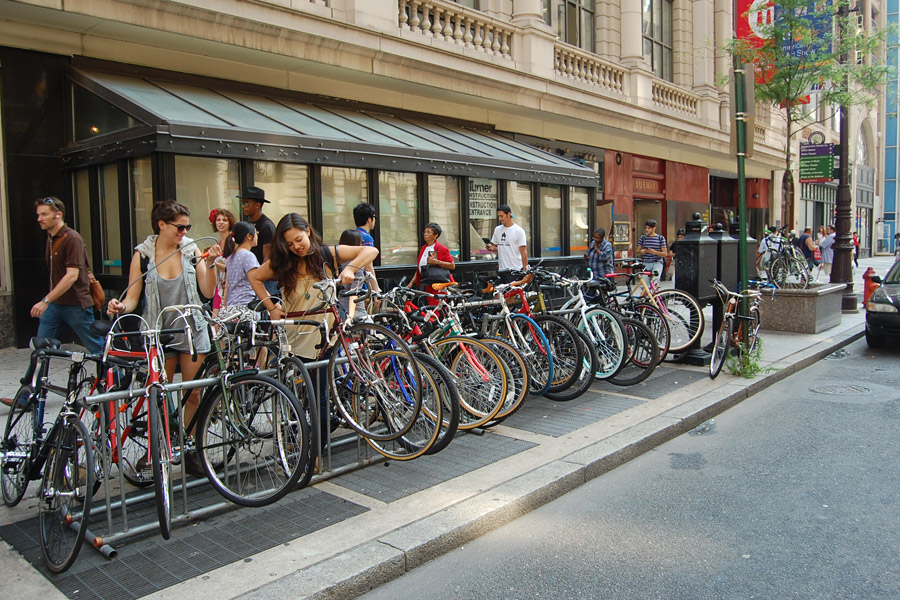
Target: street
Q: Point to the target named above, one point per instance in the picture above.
(792, 493)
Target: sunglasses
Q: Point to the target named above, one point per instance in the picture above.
(181, 228)
(48, 201)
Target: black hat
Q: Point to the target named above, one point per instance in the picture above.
(254, 193)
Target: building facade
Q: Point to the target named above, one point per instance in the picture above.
(577, 113)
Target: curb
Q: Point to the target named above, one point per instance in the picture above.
(378, 561)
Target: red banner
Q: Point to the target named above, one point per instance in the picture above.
(752, 17)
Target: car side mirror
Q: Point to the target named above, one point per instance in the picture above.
(876, 279)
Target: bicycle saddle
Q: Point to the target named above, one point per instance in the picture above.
(40, 343)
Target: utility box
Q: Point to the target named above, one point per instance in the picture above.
(726, 259)
(696, 261)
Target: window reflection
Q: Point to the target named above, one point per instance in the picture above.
(142, 192)
(551, 219)
(482, 217)
(578, 220)
(342, 189)
(82, 220)
(204, 184)
(111, 238)
(286, 186)
(518, 196)
(397, 218)
(443, 209)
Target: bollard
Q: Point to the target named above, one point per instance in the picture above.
(870, 286)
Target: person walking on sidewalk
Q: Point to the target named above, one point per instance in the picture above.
(509, 242)
(825, 246)
(652, 248)
(252, 200)
(364, 217)
(600, 255)
(69, 302)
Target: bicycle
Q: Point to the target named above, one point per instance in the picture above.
(62, 458)
(786, 267)
(730, 337)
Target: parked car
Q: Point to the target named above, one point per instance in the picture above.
(883, 309)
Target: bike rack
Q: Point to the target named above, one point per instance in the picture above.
(120, 502)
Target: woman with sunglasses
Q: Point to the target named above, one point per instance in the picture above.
(168, 268)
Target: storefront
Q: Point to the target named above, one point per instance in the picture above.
(865, 208)
(135, 137)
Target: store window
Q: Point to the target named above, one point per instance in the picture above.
(482, 218)
(658, 37)
(286, 186)
(142, 195)
(443, 209)
(111, 235)
(551, 220)
(93, 116)
(578, 220)
(518, 196)
(82, 218)
(573, 21)
(202, 185)
(342, 189)
(398, 218)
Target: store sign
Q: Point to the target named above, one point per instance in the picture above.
(482, 198)
(647, 186)
(816, 163)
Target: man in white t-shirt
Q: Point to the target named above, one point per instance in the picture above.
(508, 242)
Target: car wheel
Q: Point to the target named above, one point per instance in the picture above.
(874, 341)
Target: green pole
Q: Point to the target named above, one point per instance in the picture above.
(741, 139)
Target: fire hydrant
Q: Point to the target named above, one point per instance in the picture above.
(870, 286)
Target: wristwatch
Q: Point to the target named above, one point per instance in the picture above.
(46, 300)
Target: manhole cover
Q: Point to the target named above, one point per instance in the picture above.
(840, 390)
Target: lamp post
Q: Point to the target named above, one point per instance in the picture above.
(841, 271)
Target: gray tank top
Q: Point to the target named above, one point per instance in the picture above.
(171, 291)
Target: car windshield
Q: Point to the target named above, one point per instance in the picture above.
(893, 275)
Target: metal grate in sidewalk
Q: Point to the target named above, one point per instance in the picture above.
(546, 417)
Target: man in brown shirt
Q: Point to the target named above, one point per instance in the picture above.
(69, 301)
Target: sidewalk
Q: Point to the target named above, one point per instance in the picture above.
(355, 531)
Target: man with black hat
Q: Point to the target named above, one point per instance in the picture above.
(252, 201)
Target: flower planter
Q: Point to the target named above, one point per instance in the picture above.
(803, 311)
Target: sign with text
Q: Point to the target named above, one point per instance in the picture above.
(816, 163)
(482, 198)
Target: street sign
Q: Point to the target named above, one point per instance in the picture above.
(816, 163)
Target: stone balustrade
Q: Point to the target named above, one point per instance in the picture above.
(759, 133)
(573, 63)
(454, 24)
(670, 97)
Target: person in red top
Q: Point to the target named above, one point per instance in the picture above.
(433, 254)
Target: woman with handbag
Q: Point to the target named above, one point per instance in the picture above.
(435, 261)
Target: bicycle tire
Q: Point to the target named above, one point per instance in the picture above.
(450, 402)
(789, 273)
(586, 378)
(755, 324)
(607, 333)
(532, 343)
(684, 316)
(295, 376)
(365, 386)
(427, 426)
(516, 375)
(656, 321)
(480, 372)
(642, 355)
(568, 355)
(161, 461)
(721, 347)
(65, 497)
(253, 443)
(18, 438)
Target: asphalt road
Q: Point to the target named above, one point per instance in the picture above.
(791, 494)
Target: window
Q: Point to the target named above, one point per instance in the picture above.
(142, 193)
(469, 4)
(482, 219)
(398, 218)
(443, 209)
(518, 196)
(573, 21)
(551, 219)
(202, 184)
(578, 220)
(93, 116)
(82, 218)
(342, 189)
(111, 237)
(286, 186)
(658, 37)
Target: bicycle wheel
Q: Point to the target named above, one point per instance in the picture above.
(364, 388)
(568, 355)
(66, 490)
(788, 272)
(253, 440)
(18, 440)
(607, 333)
(684, 316)
(427, 426)
(753, 332)
(480, 373)
(653, 318)
(642, 356)
(586, 377)
(721, 347)
(532, 343)
(516, 377)
(295, 376)
(160, 460)
(448, 392)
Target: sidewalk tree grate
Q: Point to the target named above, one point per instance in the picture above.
(840, 390)
(149, 564)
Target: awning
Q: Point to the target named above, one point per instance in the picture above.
(213, 120)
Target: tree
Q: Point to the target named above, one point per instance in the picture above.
(801, 48)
